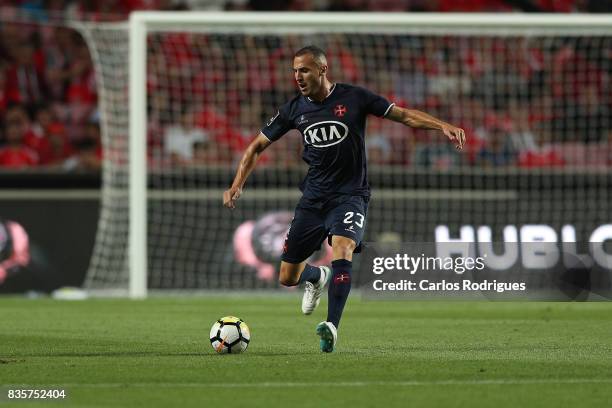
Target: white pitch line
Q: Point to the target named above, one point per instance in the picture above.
(507, 381)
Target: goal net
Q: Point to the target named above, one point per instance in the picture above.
(532, 92)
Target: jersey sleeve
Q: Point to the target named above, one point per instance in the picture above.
(375, 104)
(278, 125)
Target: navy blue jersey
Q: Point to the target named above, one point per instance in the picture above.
(333, 133)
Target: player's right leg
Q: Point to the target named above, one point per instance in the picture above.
(313, 277)
(290, 273)
(305, 235)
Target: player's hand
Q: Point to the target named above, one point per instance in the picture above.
(230, 196)
(455, 135)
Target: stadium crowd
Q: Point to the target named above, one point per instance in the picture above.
(48, 99)
(43, 10)
(535, 102)
(532, 103)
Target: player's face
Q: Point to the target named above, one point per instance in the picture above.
(308, 74)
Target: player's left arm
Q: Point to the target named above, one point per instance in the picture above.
(417, 119)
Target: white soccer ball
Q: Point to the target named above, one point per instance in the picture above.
(230, 334)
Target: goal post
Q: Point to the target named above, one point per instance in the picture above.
(373, 46)
(137, 256)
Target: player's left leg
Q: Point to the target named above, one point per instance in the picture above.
(340, 284)
(338, 291)
(346, 223)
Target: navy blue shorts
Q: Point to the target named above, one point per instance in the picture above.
(316, 220)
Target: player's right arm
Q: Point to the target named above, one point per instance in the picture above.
(246, 166)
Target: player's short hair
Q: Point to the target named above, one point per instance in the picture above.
(317, 53)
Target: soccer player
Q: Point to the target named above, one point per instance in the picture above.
(331, 118)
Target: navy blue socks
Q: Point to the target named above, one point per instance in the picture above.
(339, 288)
(310, 274)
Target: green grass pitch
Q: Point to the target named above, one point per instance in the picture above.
(156, 353)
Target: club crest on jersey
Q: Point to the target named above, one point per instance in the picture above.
(325, 134)
(339, 110)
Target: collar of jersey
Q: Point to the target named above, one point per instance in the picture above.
(324, 99)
